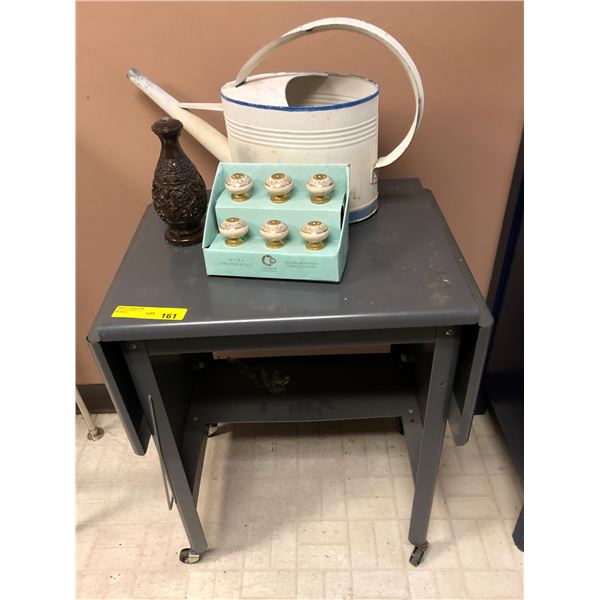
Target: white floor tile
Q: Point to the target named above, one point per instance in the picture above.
(469, 507)
(310, 585)
(494, 584)
(269, 584)
(380, 584)
(508, 495)
(201, 585)
(470, 547)
(323, 556)
(338, 585)
(389, 545)
(422, 584)
(227, 585)
(466, 485)
(323, 532)
(161, 585)
(497, 546)
(450, 584)
(363, 545)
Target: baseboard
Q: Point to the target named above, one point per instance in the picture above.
(96, 398)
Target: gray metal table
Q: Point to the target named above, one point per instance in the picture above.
(406, 284)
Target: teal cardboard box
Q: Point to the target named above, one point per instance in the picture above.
(293, 261)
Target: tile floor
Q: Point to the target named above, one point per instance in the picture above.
(299, 511)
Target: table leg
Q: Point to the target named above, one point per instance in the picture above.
(432, 437)
(184, 486)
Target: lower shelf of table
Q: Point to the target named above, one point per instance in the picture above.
(289, 389)
(198, 390)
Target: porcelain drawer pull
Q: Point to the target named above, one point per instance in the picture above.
(238, 185)
(274, 231)
(234, 229)
(320, 187)
(279, 185)
(314, 233)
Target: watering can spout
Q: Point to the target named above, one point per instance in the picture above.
(214, 141)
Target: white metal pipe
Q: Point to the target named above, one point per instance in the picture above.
(94, 433)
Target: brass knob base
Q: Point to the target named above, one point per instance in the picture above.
(315, 245)
(275, 244)
(319, 198)
(279, 198)
(240, 197)
(234, 241)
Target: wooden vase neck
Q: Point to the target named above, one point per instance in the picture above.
(168, 132)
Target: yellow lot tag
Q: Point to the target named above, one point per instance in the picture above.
(149, 312)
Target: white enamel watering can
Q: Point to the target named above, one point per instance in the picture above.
(301, 117)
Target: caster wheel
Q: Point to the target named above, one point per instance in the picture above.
(188, 556)
(416, 558)
(400, 426)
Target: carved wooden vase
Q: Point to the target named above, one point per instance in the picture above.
(178, 190)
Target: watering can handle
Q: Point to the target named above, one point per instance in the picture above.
(371, 31)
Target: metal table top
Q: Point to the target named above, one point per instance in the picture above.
(404, 269)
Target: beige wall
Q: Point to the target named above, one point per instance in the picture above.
(470, 56)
